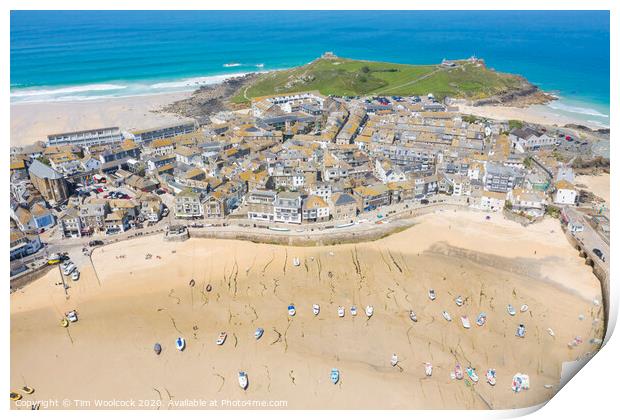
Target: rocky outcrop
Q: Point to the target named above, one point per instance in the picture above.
(528, 94)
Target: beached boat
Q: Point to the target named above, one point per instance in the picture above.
(491, 374)
(243, 380)
(53, 259)
(296, 262)
(458, 371)
(413, 316)
(27, 389)
(75, 276)
(520, 382)
(335, 376)
(459, 300)
(471, 372)
(291, 310)
(446, 316)
(524, 308)
(341, 311)
(431, 294)
(428, 369)
(465, 321)
(520, 331)
(72, 316)
(369, 311)
(157, 348)
(259, 333)
(279, 229)
(221, 338)
(482, 319)
(64, 323)
(353, 310)
(209, 288)
(180, 343)
(316, 309)
(550, 332)
(511, 310)
(394, 360)
(15, 396)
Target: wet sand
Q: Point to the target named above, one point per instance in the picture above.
(134, 302)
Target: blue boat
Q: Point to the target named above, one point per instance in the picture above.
(258, 333)
(157, 348)
(291, 309)
(180, 343)
(335, 376)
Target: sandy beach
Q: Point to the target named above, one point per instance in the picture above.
(33, 121)
(134, 302)
(597, 184)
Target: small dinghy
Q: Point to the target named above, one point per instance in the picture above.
(157, 348)
(413, 316)
(15, 396)
(465, 322)
(511, 310)
(180, 343)
(520, 331)
(27, 389)
(524, 308)
(341, 311)
(209, 288)
(394, 360)
(243, 380)
(291, 310)
(458, 371)
(64, 323)
(428, 369)
(72, 316)
(550, 332)
(221, 338)
(296, 262)
(520, 382)
(446, 316)
(369, 311)
(192, 283)
(316, 309)
(431, 294)
(471, 372)
(491, 377)
(259, 333)
(353, 310)
(482, 319)
(459, 300)
(335, 376)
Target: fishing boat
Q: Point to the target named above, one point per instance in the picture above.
(15, 396)
(465, 322)
(471, 372)
(428, 369)
(296, 262)
(335, 376)
(221, 338)
(511, 310)
(259, 333)
(180, 343)
(157, 348)
(369, 311)
(458, 371)
(459, 300)
(446, 316)
(316, 309)
(394, 360)
(27, 389)
(524, 308)
(291, 310)
(413, 316)
(341, 311)
(491, 377)
(353, 310)
(520, 331)
(243, 380)
(482, 319)
(431, 294)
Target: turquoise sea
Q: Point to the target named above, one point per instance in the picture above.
(82, 55)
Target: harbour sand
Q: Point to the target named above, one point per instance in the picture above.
(133, 302)
(596, 184)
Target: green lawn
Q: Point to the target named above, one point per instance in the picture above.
(342, 77)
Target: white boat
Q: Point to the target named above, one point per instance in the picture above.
(482, 319)
(180, 343)
(465, 321)
(511, 310)
(520, 331)
(296, 262)
(458, 371)
(353, 310)
(75, 276)
(291, 309)
(243, 380)
(471, 372)
(491, 377)
(413, 316)
(335, 376)
(221, 338)
(550, 331)
(394, 360)
(316, 309)
(369, 311)
(446, 316)
(459, 300)
(428, 369)
(520, 382)
(431, 294)
(341, 311)
(259, 333)
(524, 308)
(72, 316)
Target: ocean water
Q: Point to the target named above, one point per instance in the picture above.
(82, 55)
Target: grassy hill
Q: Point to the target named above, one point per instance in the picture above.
(344, 77)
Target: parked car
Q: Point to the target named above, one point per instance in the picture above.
(599, 254)
(95, 243)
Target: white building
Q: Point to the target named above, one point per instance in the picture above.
(86, 137)
(565, 193)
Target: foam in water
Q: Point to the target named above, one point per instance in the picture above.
(576, 109)
(23, 93)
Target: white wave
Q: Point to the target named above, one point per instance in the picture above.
(576, 109)
(195, 81)
(25, 93)
(232, 64)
